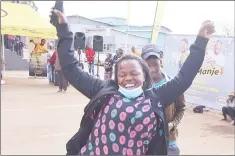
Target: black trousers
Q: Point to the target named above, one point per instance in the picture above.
(62, 82)
(230, 111)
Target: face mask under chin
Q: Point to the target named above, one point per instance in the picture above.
(131, 94)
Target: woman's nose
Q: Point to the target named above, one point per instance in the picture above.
(128, 78)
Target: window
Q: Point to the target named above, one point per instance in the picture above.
(104, 47)
(108, 46)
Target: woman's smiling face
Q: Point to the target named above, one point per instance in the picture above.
(130, 74)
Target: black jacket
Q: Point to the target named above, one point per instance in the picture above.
(94, 89)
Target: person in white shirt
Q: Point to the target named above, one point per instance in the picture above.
(230, 108)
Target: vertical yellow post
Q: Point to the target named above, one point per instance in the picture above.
(127, 23)
(159, 13)
(128, 13)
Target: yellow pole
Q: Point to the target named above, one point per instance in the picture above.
(127, 23)
(159, 13)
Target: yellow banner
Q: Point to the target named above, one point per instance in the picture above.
(159, 13)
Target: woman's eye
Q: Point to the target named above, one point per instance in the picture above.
(121, 75)
(135, 73)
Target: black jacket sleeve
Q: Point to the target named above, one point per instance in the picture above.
(82, 81)
(171, 90)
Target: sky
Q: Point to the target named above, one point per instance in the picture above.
(180, 16)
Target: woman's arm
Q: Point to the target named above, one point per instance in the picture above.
(82, 81)
(171, 90)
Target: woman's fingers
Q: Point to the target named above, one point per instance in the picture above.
(207, 29)
(62, 18)
(57, 12)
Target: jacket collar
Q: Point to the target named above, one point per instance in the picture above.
(165, 75)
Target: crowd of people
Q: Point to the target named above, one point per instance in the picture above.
(14, 43)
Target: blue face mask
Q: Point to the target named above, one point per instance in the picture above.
(131, 94)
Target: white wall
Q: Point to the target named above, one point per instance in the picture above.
(120, 40)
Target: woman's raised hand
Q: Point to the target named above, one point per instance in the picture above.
(207, 29)
(62, 18)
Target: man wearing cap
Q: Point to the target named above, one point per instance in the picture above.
(174, 113)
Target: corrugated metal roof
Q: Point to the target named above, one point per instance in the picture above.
(96, 20)
(104, 29)
(78, 16)
(144, 26)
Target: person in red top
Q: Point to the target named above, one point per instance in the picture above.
(11, 39)
(51, 62)
(90, 55)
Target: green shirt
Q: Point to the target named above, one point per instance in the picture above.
(159, 83)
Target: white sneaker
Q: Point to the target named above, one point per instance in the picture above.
(2, 82)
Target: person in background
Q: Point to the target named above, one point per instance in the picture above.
(51, 62)
(135, 52)
(175, 112)
(80, 57)
(62, 82)
(118, 55)
(184, 52)
(49, 67)
(11, 40)
(108, 67)
(2, 63)
(39, 47)
(230, 108)
(161, 58)
(18, 46)
(90, 55)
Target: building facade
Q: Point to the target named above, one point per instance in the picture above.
(114, 31)
(145, 31)
(114, 39)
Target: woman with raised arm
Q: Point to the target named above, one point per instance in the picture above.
(124, 116)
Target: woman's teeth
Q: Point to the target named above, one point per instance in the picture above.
(129, 85)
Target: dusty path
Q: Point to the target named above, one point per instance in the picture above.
(36, 120)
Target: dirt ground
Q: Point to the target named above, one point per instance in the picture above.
(36, 120)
